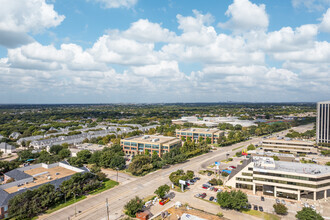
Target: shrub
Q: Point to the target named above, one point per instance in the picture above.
(280, 209)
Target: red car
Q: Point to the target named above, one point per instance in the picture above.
(233, 167)
(215, 189)
(204, 187)
(203, 195)
(164, 201)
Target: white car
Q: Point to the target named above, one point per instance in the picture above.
(219, 190)
(306, 205)
(313, 207)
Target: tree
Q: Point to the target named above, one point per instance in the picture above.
(280, 209)
(251, 147)
(133, 206)
(216, 182)
(84, 155)
(190, 174)
(308, 214)
(276, 158)
(225, 174)
(55, 149)
(327, 163)
(162, 191)
(1, 153)
(64, 153)
(208, 140)
(232, 200)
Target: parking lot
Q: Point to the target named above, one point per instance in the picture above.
(321, 206)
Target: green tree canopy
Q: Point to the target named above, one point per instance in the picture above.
(133, 206)
(162, 191)
(308, 214)
(280, 209)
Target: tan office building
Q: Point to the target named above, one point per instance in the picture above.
(152, 143)
(289, 146)
(282, 179)
(196, 133)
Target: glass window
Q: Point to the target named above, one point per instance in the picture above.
(147, 146)
(133, 144)
(127, 143)
(155, 146)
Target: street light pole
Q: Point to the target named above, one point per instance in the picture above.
(117, 173)
(107, 205)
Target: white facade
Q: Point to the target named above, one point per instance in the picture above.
(282, 179)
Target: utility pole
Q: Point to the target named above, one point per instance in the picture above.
(107, 205)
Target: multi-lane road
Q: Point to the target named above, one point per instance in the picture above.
(95, 207)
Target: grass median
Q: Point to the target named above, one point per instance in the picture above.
(108, 184)
(263, 215)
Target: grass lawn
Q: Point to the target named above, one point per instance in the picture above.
(237, 148)
(263, 215)
(62, 205)
(108, 184)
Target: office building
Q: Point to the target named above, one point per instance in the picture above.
(196, 133)
(31, 177)
(290, 180)
(323, 123)
(152, 143)
(288, 145)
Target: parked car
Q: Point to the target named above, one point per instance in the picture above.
(249, 206)
(164, 201)
(219, 190)
(261, 209)
(211, 188)
(215, 200)
(262, 198)
(255, 207)
(283, 202)
(278, 201)
(197, 178)
(211, 198)
(205, 186)
(209, 174)
(203, 195)
(306, 205)
(233, 167)
(197, 195)
(313, 207)
(215, 189)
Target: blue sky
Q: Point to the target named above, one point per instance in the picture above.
(104, 51)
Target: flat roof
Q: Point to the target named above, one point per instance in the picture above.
(197, 130)
(46, 175)
(153, 139)
(270, 154)
(268, 163)
(288, 140)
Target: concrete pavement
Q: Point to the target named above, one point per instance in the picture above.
(94, 206)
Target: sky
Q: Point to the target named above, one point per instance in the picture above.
(164, 51)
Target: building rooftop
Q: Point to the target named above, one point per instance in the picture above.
(152, 139)
(208, 130)
(324, 102)
(41, 176)
(287, 140)
(17, 175)
(268, 163)
(269, 154)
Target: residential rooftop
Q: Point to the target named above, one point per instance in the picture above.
(268, 163)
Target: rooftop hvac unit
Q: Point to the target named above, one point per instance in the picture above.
(155, 140)
(145, 137)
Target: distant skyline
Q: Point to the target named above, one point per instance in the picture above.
(166, 51)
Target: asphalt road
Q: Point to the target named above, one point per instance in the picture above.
(95, 207)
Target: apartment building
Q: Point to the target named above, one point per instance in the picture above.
(32, 177)
(282, 179)
(152, 143)
(323, 123)
(196, 133)
(289, 146)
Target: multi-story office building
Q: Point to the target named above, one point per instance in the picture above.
(289, 146)
(197, 133)
(323, 123)
(282, 179)
(152, 143)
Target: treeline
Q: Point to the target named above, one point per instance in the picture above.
(108, 158)
(33, 202)
(145, 163)
(306, 134)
